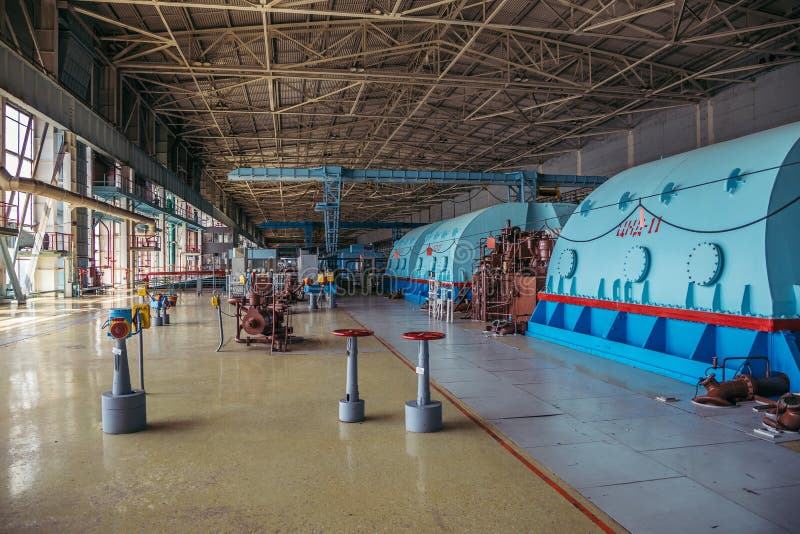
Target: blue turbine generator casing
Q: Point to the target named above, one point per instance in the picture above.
(676, 261)
(455, 245)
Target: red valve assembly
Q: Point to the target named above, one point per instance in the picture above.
(264, 315)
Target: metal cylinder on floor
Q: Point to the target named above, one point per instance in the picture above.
(423, 415)
(351, 407)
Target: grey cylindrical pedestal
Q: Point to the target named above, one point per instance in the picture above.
(157, 320)
(123, 409)
(351, 407)
(166, 318)
(123, 414)
(424, 418)
(351, 411)
(423, 414)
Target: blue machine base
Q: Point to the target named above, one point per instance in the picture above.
(679, 349)
(416, 292)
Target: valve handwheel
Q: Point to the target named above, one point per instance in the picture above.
(423, 336)
(352, 332)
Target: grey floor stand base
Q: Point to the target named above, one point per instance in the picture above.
(425, 418)
(351, 411)
(166, 319)
(123, 414)
(158, 321)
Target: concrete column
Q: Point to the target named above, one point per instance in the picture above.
(123, 254)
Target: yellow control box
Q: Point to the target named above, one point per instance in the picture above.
(141, 314)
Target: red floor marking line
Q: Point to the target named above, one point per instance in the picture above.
(538, 472)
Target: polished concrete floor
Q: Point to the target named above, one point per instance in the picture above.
(244, 441)
(654, 467)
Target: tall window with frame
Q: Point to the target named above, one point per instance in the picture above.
(17, 124)
(19, 154)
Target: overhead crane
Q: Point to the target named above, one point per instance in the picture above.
(521, 185)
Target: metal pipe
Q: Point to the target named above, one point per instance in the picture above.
(741, 388)
(219, 317)
(351, 391)
(141, 358)
(42, 189)
(423, 383)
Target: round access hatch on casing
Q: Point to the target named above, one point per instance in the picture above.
(637, 263)
(704, 264)
(567, 262)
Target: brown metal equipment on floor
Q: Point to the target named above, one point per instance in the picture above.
(785, 413)
(743, 387)
(263, 317)
(511, 271)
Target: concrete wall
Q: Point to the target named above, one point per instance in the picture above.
(768, 101)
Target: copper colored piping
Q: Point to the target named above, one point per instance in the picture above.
(741, 388)
(787, 413)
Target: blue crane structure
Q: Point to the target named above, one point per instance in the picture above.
(308, 227)
(521, 185)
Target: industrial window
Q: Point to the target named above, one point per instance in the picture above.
(16, 125)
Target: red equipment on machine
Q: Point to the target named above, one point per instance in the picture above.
(508, 278)
(263, 316)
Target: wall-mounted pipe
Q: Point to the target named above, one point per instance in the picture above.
(76, 200)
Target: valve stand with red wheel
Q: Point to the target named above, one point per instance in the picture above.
(124, 409)
(423, 414)
(351, 407)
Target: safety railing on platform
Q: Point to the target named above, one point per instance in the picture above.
(56, 242)
(150, 195)
(145, 242)
(9, 217)
(185, 279)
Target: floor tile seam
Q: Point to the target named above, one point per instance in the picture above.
(745, 437)
(509, 445)
(628, 483)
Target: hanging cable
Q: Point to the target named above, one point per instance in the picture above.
(532, 224)
(722, 230)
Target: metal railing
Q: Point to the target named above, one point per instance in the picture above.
(149, 194)
(56, 242)
(147, 242)
(9, 215)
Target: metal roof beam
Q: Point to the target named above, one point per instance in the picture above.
(320, 174)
